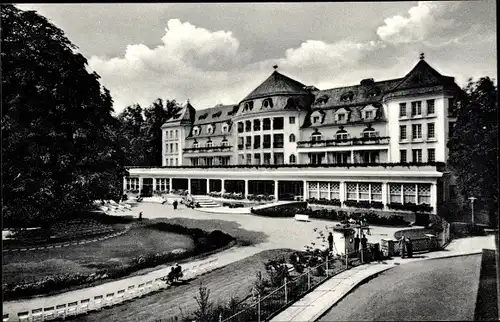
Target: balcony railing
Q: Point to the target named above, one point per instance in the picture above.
(343, 142)
(209, 149)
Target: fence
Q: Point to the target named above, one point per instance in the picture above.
(108, 299)
(263, 308)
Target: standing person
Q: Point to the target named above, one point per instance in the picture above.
(409, 247)
(175, 204)
(402, 246)
(356, 243)
(140, 215)
(330, 241)
(364, 245)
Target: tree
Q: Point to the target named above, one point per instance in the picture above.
(473, 146)
(204, 311)
(58, 152)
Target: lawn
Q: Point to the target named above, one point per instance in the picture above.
(233, 280)
(89, 258)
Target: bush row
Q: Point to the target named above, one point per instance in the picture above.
(282, 210)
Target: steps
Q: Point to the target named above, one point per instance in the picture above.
(205, 202)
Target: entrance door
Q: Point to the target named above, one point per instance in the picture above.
(288, 190)
(147, 187)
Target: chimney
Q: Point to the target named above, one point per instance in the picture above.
(367, 82)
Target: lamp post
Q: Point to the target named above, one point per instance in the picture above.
(472, 207)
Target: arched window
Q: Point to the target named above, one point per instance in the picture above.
(195, 144)
(210, 129)
(293, 159)
(369, 132)
(225, 128)
(316, 136)
(342, 135)
(292, 138)
(248, 106)
(256, 125)
(267, 103)
(209, 143)
(196, 131)
(225, 142)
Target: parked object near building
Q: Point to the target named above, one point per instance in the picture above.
(378, 145)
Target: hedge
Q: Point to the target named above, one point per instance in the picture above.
(370, 217)
(287, 210)
(410, 207)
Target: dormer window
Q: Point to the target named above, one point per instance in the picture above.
(349, 96)
(369, 115)
(211, 129)
(225, 142)
(341, 117)
(195, 144)
(322, 99)
(225, 128)
(209, 144)
(267, 103)
(203, 116)
(316, 119)
(216, 115)
(248, 106)
(196, 131)
(316, 136)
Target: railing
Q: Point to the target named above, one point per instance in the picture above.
(263, 308)
(344, 142)
(209, 148)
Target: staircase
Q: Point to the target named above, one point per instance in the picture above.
(205, 202)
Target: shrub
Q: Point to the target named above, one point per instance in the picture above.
(288, 210)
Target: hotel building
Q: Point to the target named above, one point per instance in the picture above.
(378, 144)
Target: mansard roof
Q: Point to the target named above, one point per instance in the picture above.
(215, 114)
(277, 84)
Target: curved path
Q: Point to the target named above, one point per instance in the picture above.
(279, 232)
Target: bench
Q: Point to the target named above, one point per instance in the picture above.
(301, 217)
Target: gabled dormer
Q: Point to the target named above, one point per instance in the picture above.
(317, 117)
(341, 115)
(369, 112)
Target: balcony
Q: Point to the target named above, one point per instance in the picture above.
(209, 149)
(344, 142)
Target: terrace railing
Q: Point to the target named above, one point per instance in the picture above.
(344, 142)
(209, 149)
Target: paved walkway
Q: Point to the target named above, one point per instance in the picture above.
(315, 304)
(280, 232)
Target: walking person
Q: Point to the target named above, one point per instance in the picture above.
(330, 242)
(402, 246)
(409, 247)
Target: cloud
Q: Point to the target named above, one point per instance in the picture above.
(210, 67)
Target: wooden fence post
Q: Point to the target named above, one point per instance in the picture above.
(286, 293)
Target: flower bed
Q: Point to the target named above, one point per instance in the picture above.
(286, 210)
(261, 197)
(364, 204)
(410, 207)
(370, 217)
(204, 242)
(323, 201)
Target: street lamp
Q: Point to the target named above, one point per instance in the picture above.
(472, 207)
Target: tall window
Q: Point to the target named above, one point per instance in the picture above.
(352, 193)
(248, 143)
(171, 148)
(249, 159)
(417, 155)
(416, 108)
(395, 193)
(256, 142)
(424, 193)
(431, 155)
(176, 146)
(430, 130)
(240, 127)
(267, 158)
(416, 131)
(292, 159)
(430, 107)
(402, 156)
(278, 140)
(402, 132)
(256, 125)
(291, 120)
(402, 109)
(364, 191)
(257, 158)
(248, 126)
(409, 193)
(267, 124)
(291, 138)
(278, 123)
(267, 141)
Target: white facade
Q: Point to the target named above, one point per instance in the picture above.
(373, 126)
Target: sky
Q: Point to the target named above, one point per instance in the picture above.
(217, 53)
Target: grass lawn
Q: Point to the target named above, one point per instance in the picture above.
(235, 279)
(88, 258)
